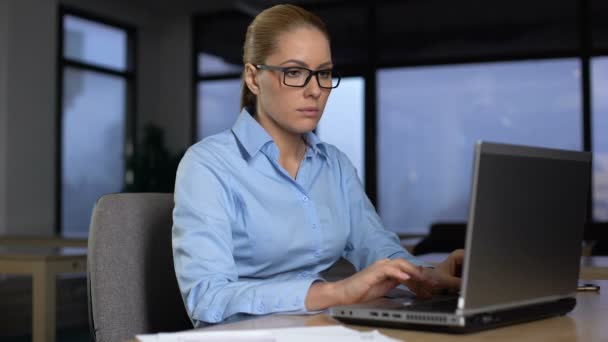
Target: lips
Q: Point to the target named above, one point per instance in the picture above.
(309, 111)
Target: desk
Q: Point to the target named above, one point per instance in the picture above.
(43, 264)
(587, 322)
(594, 267)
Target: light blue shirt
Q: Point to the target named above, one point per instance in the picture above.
(249, 239)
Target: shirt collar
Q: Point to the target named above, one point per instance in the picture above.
(316, 145)
(253, 136)
(250, 133)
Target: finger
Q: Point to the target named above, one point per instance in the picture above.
(419, 289)
(456, 262)
(408, 268)
(458, 256)
(450, 282)
(396, 273)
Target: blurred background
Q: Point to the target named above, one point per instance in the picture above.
(105, 96)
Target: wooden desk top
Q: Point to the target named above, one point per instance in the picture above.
(587, 322)
(41, 241)
(42, 253)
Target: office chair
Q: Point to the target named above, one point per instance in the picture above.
(132, 288)
(443, 237)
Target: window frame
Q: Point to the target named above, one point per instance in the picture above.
(129, 75)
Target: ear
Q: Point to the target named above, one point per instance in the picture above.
(250, 78)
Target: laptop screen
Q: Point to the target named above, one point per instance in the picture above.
(526, 220)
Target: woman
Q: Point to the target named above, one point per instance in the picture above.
(263, 208)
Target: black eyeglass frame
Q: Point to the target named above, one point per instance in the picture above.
(311, 73)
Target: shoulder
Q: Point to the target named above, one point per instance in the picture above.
(335, 154)
(338, 159)
(213, 156)
(212, 151)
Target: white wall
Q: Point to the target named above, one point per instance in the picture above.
(30, 117)
(3, 109)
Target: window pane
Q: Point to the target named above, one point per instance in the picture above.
(220, 36)
(599, 74)
(95, 43)
(343, 119)
(429, 119)
(93, 133)
(213, 65)
(218, 106)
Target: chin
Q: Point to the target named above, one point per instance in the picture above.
(306, 126)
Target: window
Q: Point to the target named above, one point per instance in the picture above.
(343, 119)
(96, 76)
(430, 117)
(341, 125)
(599, 73)
(218, 105)
(212, 65)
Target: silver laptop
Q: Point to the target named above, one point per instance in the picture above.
(523, 245)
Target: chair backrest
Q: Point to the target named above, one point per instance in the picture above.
(444, 237)
(132, 288)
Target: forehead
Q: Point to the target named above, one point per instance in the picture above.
(306, 44)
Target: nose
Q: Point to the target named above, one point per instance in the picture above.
(312, 89)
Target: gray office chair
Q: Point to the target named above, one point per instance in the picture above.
(131, 281)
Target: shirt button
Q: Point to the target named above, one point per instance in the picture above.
(261, 308)
(317, 254)
(314, 226)
(217, 316)
(304, 198)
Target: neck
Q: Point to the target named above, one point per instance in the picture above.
(291, 145)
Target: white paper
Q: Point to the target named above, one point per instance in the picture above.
(317, 334)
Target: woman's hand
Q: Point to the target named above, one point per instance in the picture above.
(377, 279)
(370, 283)
(384, 275)
(446, 276)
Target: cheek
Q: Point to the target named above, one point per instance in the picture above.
(280, 102)
(323, 99)
(285, 98)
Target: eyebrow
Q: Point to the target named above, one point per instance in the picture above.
(301, 63)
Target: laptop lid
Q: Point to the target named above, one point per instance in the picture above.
(525, 227)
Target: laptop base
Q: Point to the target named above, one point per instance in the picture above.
(479, 322)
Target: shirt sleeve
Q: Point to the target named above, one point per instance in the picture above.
(368, 240)
(206, 272)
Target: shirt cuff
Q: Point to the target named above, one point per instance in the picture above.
(291, 298)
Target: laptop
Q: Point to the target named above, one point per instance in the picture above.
(522, 249)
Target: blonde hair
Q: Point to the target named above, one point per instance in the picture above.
(262, 35)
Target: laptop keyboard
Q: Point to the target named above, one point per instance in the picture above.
(440, 305)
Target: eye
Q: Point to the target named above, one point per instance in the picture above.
(293, 72)
(325, 73)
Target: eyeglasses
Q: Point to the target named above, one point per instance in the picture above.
(299, 77)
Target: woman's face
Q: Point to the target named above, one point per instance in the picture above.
(291, 109)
